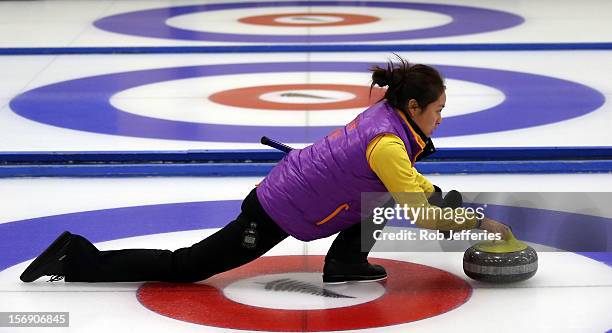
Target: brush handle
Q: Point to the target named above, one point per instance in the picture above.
(275, 144)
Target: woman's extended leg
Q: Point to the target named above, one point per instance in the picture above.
(217, 253)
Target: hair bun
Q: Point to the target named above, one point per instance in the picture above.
(381, 77)
(391, 76)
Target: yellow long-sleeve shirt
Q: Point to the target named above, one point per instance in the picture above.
(388, 158)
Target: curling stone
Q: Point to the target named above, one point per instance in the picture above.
(501, 261)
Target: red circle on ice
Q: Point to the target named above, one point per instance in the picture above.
(413, 292)
(250, 97)
(308, 19)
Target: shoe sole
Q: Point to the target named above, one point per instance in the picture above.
(338, 280)
(32, 273)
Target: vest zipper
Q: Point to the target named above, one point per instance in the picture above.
(344, 206)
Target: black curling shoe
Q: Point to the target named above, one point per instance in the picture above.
(49, 262)
(337, 272)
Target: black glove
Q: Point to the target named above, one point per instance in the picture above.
(435, 199)
(453, 199)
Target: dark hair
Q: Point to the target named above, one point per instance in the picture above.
(405, 82)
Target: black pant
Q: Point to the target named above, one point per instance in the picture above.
(217, 253)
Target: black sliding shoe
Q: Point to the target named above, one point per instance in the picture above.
(50, 261)
(337, 272)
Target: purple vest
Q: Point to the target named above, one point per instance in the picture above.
(316, 191)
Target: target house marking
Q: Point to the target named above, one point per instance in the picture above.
(152, 23)
(309, 19)
(86, 104)
(413, 292)
(319, 97)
